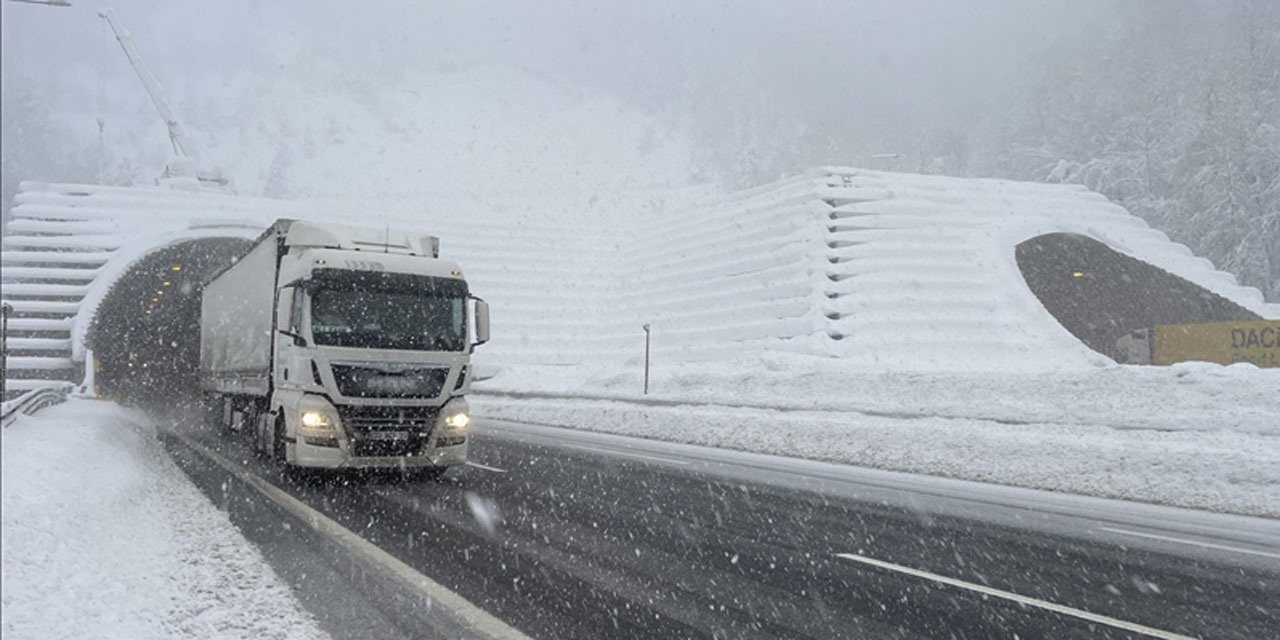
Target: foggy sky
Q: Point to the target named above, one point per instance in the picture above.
(893, 64)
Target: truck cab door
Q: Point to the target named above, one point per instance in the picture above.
(290, 343)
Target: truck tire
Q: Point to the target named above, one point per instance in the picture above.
(278, 453)
(429, 474)
(261, 436)
(207, 415)
(215, 416)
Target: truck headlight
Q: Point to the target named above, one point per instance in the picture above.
(317, 428)
(458, 420)
(317, 420)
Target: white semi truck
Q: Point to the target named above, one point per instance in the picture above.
(339, 347)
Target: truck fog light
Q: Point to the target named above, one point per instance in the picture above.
(450, 441)
(321, 441)
(458, 421)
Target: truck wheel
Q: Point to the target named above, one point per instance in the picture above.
(428, 474)
(218, 413)
(262, 435)
(277, 443)
(211, 411)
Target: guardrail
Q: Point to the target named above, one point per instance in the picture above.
(5, 310)
(33, 401)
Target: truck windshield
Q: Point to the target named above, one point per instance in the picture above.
(389, 311)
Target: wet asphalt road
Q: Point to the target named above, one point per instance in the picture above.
(564, 537)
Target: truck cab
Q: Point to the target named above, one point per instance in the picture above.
(370, 339)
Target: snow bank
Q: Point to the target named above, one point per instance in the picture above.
(104, 537)
(1193, 435)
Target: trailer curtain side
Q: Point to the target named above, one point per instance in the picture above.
(236, 323)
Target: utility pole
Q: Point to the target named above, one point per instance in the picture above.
(183, 144)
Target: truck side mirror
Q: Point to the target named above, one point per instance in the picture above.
(298, 341)
(482, 321)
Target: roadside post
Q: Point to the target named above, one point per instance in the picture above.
(646, 358)
(90, 384)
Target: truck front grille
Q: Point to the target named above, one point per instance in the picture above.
(417, 419)
(388, 431)
(370, 382)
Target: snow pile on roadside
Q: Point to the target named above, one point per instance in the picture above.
(104, 537)
(1193, 435)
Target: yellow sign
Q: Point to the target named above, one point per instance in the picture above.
(1256, 342)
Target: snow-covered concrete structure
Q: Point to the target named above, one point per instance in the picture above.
(879, 270)
(884, 270)
(65, 245)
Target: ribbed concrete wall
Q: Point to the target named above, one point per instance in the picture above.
(880, 270)
(65, 244)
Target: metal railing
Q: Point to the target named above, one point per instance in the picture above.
(5, 310)
(33, 401)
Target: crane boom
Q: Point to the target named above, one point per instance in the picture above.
(183, 144)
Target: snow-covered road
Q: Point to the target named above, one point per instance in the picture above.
(104, 536)
(568, 534)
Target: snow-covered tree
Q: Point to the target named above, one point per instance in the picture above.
(32, 145)
(1175, 114)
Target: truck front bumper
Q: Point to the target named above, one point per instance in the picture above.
(312, 456)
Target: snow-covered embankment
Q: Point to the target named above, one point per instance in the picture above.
(104, 537)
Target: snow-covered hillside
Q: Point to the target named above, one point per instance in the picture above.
(494, 130)
(574, 216)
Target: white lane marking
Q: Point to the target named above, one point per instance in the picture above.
(1197, 543)
(628, 454)
(482, 622)
(1007, 595)
(486, 467)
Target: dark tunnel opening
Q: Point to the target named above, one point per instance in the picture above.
(145, 336)
(1100, 294)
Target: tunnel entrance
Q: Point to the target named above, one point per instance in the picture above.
(1100, 294)
(146, 333)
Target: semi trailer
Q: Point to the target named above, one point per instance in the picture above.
(340, 347)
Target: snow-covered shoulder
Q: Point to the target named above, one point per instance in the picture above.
(103, 536)
(1193, 435)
